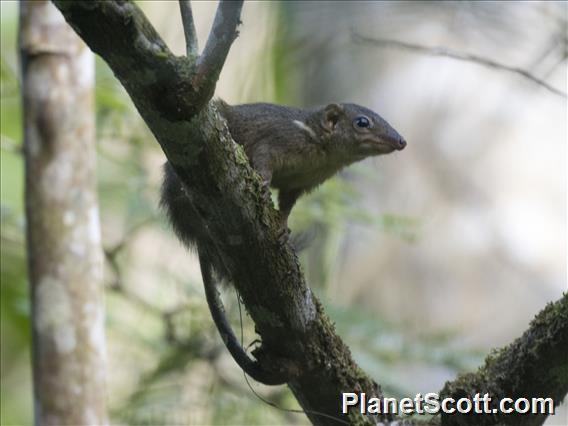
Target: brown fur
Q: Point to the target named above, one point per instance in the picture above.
(295, 150)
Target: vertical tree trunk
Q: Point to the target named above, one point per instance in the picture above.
(63, 231)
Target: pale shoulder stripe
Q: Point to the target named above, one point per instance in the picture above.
(306, 128)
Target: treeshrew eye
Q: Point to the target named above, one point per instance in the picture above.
(362, 122)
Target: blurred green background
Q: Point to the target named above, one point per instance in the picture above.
(425, 259)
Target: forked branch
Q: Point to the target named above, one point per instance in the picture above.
(172, 94)
(221, 37)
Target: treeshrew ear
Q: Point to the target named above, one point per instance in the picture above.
(331, 116)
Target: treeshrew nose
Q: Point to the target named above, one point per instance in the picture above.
(396, 141)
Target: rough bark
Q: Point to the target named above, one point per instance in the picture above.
(173, 95)
(63, 233)
(534, 365)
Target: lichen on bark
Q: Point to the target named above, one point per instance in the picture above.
(173, 96)
(63, 233)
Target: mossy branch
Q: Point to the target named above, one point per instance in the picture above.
(534, 365)
(173, 96)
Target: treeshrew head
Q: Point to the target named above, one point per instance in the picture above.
(359, 132)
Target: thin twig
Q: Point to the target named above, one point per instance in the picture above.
(460, 56)
(191, 43)
(222, 34)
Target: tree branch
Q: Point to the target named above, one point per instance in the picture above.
(460, 56)
(221, 37)
(534, 365)
(237, 224)
(191, 43)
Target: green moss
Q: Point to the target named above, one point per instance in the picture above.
(559, 375)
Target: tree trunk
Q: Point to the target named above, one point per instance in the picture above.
(63, 230)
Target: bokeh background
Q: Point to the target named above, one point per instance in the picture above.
(425, 259)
